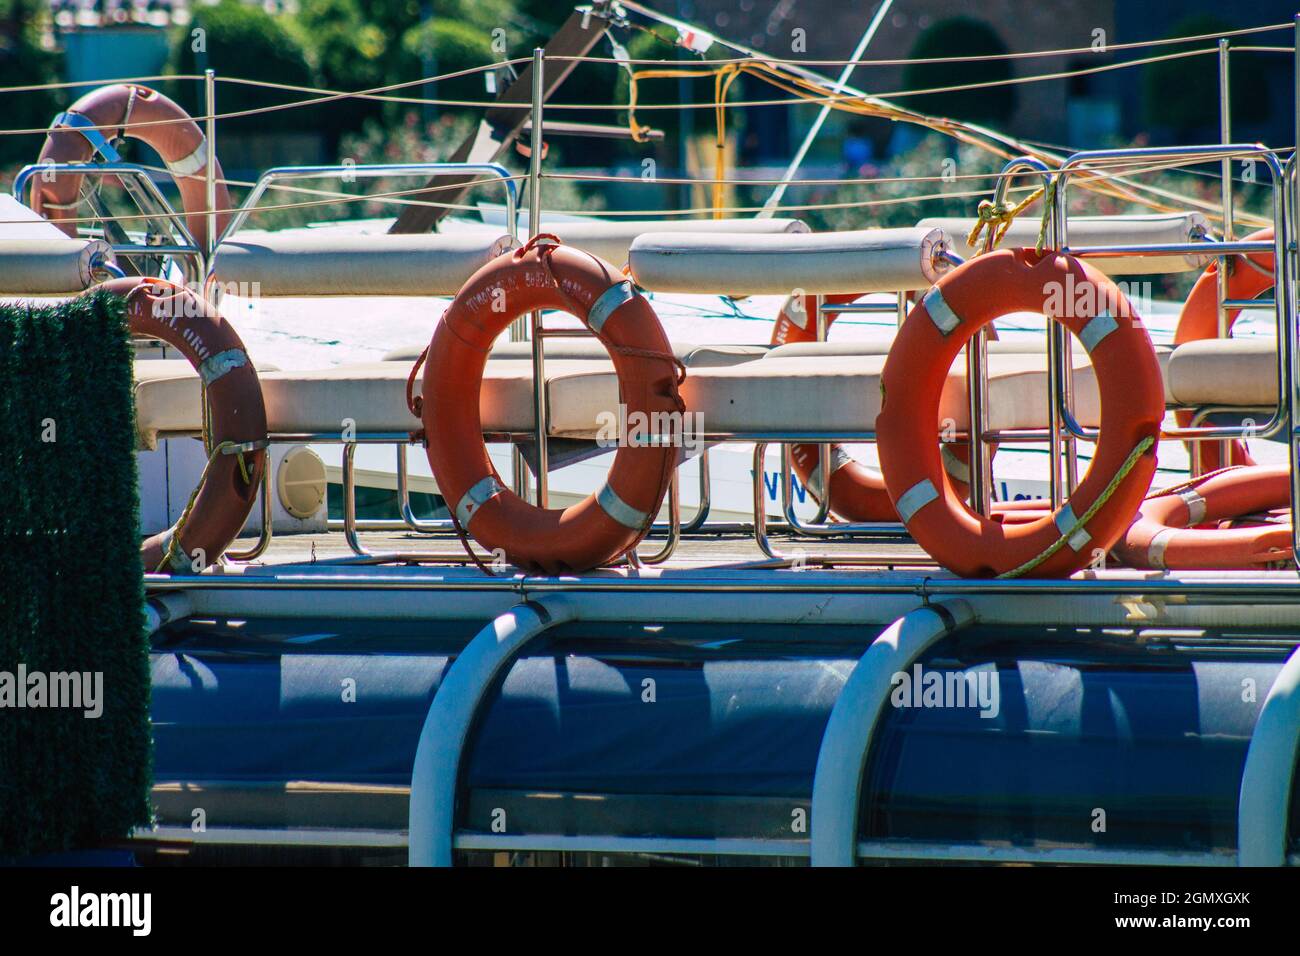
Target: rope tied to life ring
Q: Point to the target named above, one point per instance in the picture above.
(221, 448)
(1117, 479)
(545, 276)
(415, 403)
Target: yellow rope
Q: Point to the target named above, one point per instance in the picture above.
(997, 218)
(1087, 516)
(810, 92)
(1049, 203)
(723, 77)
(174, 542)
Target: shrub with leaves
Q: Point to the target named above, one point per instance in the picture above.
(242, 41)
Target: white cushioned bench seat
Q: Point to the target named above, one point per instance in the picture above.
(882, 346)
(168, 398)
(1240, 372)
(1018, 387)
(373, 394)
(798, 393)
(867, 260)
(1155, 229)
(811, 392)
(690, 353)
(611, 240)
(1017, 377)
(307, 264)
(49, 266)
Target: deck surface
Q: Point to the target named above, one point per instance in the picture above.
(722, 549)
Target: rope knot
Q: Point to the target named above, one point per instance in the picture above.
(997, 218)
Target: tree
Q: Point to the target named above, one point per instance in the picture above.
(954, 37)
(356, 45)
(248, 43)
(448, 46)
(349, 51)
(24, 63)
(1183, 94)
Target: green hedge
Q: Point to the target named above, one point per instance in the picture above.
(71, 594)
(248, 43)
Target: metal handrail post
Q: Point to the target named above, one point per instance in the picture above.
(540, 411)
(1285, 308)
(823, 328)
(158, 213)
(1060, 363)
(981, 469)
(210, 159)
(1286, 269)
(495, 171)
(1226, 199)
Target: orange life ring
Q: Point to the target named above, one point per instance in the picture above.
(1164, 536)
(857, 492)
(1199, 319)
(1128, 376)
(175, 137)
(222, 501)
(606, 525)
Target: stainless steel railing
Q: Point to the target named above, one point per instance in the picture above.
(167, 236)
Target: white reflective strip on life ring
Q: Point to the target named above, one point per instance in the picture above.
(1098, 327)
(609, 301)
(60, 205)
(839, 458)
(1195, 506)
(941, 314)
(620, 510)
(1065, 520)
(916, 498)
(189, 165)
(954, 466)
(1156, 549)
(479, 494)
(180, 561)
(215, 366)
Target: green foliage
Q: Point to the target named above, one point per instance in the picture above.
(895, 202)
(414, 141)
(248, 43)
(24, 63)
(71, 598)
(1183, 94)
(348, 48)
(355, 45)
(437, 47)
(960, 36)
